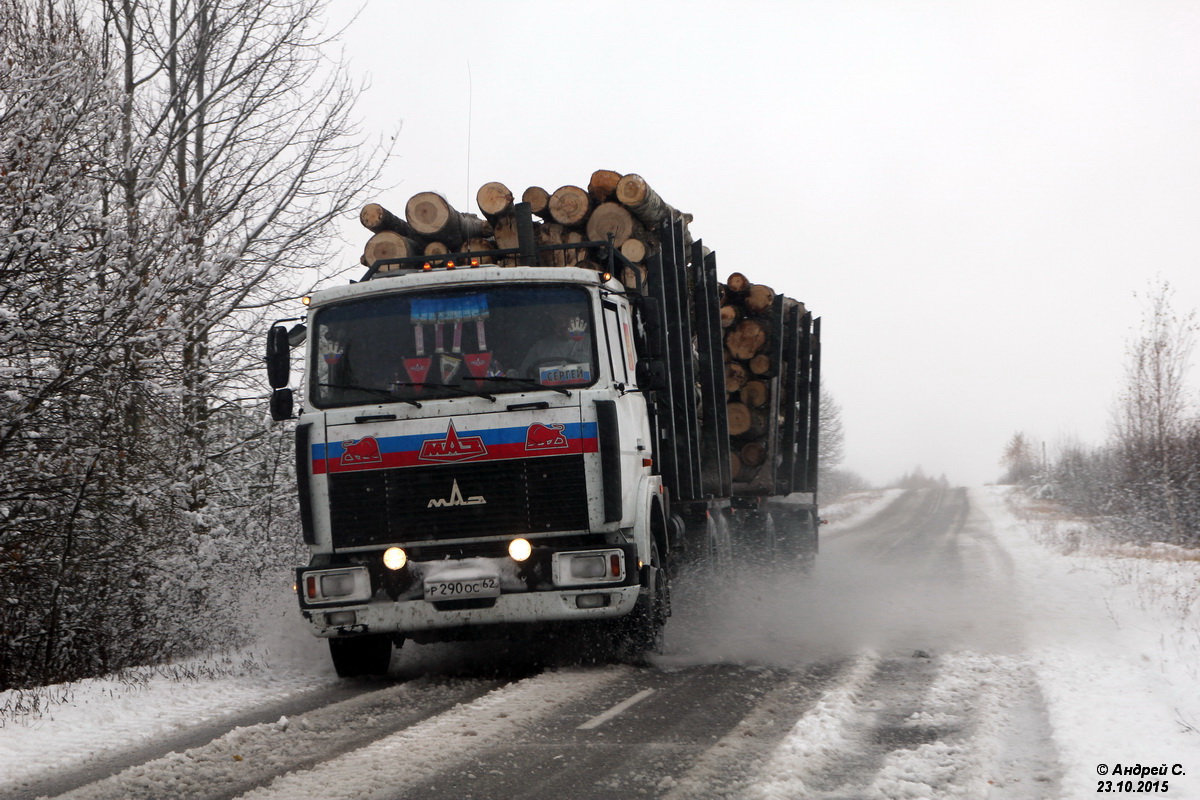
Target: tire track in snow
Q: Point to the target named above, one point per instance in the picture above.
(72, 766)
(391, 766)
(735, 762)
(961, 726)
(683, 719)
(251, 756)
(997, 737)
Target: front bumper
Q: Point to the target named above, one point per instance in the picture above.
(553, 585)
(405, 616)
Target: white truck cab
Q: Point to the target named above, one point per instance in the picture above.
(473, 450)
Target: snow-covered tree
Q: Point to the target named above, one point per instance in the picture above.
(1020, 459)
(1155, 412)
(1144, 482)
(169, 173)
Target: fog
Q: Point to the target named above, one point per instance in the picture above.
(902, 583)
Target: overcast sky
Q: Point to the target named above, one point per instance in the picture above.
(969, 194)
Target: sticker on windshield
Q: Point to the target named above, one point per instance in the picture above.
(563, 374)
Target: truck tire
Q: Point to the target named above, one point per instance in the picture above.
(360, 656)
(645, 626)
(798, 538)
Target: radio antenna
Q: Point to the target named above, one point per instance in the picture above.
(470, 109)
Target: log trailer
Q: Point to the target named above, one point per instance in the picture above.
(451, 489)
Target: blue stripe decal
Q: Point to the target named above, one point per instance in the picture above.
(491, 437)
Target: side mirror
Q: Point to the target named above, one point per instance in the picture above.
(651, 314)
(282, 405)
(279, 357)
(651, 375)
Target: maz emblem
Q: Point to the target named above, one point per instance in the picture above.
(453, 447)
(456, 499)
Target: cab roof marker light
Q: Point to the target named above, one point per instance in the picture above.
(306, 300)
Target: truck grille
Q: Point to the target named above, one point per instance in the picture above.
(494, 498)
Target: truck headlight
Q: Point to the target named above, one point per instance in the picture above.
(338, 585)
(394, 558)
(347, 585)
(520, 549)
(588, 567)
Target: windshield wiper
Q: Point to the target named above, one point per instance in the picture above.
(375, 390)
(462, 390)
(530, 382)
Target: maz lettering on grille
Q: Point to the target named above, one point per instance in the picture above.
(456, 499)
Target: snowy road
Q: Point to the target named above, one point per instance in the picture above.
(911, 663)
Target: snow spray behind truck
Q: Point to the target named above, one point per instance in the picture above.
(485, 450)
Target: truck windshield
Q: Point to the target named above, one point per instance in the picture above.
(430, 345)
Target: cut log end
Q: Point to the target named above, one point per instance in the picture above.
(603, 184)
(746, 339)
(479, 245)
(755, 394)
(735, 376)
(739, 418)
(377, 219)
(610, 219)
(760, 298)
(504, 229)
(737, 283)
(632, 190)
(538, 199)
(570, 206)
(635, 278)
(761, 365)
(753, 454)
(388, 244)
(635, 250)
(494, 199)
(428, 213)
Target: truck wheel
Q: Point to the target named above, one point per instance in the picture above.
(798, 538)
(647, 622)
(361, 655)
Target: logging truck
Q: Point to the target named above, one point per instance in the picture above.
(510, 426)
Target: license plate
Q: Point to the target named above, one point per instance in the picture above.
(461, 589)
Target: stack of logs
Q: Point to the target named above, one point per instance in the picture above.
(623, 207)
(626, 208)
(746, 317)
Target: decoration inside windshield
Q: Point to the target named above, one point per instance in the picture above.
(450, 343)
(576, 329)
(439, 311)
